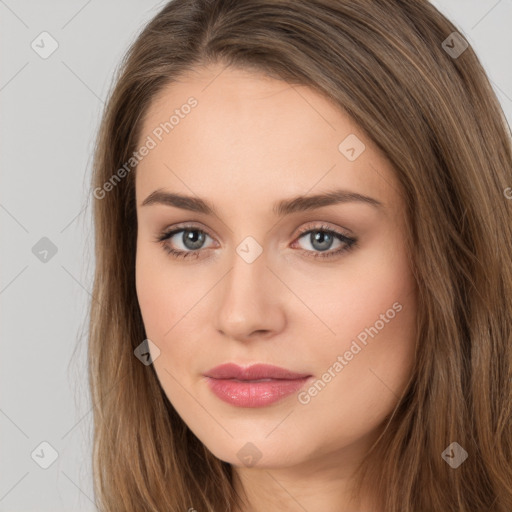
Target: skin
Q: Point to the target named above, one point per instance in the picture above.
(249, 142)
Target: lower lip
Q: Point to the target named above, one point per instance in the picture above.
(254, 394)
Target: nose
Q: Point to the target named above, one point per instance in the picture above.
(250, 300)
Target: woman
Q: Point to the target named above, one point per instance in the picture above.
(303, 276)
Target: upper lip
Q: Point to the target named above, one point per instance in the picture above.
(253, 372)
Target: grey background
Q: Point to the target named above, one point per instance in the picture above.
(50, 113)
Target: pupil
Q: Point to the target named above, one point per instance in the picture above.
(320, 236)
(191, 241)
(320, 240)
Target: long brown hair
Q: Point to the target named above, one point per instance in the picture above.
(389, 64)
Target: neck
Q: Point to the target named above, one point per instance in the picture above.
(313, 485)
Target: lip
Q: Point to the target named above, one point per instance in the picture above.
(236, 385)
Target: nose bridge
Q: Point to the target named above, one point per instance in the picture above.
(248, 270)
(247, 299)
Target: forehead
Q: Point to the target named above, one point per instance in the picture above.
(256, 135)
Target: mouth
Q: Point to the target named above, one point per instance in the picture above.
(253, 372)
(258, 385)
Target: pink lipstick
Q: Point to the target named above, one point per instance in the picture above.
(254, 386)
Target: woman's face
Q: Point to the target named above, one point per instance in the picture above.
(318, 287)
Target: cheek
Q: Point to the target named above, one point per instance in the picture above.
(152, 301)
(160, 296)
(372, 288)
(358, 383)
(162, 308)
(373, 315)
(166, 297)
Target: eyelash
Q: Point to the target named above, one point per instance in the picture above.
(349, 242)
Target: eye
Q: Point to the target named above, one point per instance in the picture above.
(321, 238)
(192, 238)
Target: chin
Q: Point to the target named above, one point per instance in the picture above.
(258, 452)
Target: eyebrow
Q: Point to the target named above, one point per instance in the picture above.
(280, 208)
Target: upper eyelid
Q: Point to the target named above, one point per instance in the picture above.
(310, 226)
(322, 226)
(348, 241)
